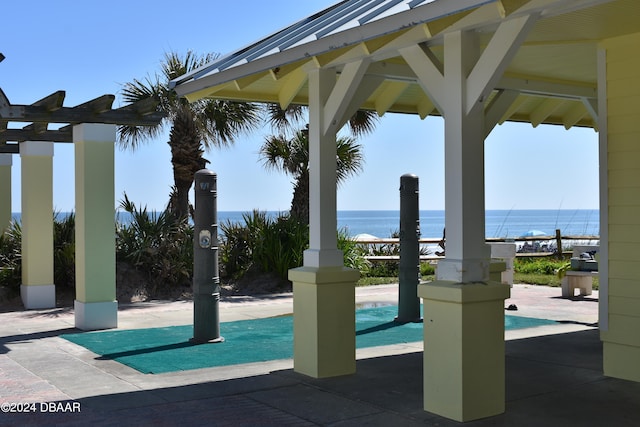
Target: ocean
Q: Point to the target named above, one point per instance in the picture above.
(498, 223)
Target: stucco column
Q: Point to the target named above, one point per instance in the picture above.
(323, 290)
(6, 160)
(37, 290)
(95, 305)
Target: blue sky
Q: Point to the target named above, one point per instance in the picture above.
(91, 48)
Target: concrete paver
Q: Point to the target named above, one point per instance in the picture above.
(553, 374)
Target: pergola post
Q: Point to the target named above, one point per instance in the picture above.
(95, 305)
(323, 289)
(37, 289)
(6, 160)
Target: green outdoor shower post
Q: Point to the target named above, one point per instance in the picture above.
(409, 269)
(206, 282)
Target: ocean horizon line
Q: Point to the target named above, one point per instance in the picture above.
(499, 223)
(363, 210)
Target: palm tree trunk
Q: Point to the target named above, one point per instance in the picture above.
(186, 158)
(300, 202)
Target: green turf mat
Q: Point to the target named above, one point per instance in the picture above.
(160, 350)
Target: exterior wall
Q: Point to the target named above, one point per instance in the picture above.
(620, 337)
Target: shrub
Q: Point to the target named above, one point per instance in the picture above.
(64, 250)
(353, 253)
(157, 244)
(11, 257)
(262, 244)
(547, 266)
(64, 257)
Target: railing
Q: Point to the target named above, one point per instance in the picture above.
(536, 246)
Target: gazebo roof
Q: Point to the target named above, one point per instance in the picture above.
(552, 79)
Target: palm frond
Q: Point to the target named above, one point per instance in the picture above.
(221, 121)
(362, 122)
(287, 119)
(274, 151)
(349, 158)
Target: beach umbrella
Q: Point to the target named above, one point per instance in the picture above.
(534, 233)
(365, 237)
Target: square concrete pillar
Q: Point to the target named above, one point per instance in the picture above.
(464, 361)
(37, 289)
(6, 160)
(95, 305)
(324, 331)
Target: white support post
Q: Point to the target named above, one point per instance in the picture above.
(6, 160)
(468, 256)
(463, 309)
(323, 220)
(95, 305)
(323, 289)
(37, 290)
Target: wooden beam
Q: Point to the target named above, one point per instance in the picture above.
(9, 148)
(20, 135)
(574, 115)
(496, 57)
(544, 110)
(343, 91)
(52, 102)
(36, 128)
(367, 86)
(291, 87)
(5, 105)
(390, 94)
(429, 71)
(425, 107)
(499, 105)
(143, 107)
(99, 105)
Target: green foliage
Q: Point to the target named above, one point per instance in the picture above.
(427, 269)
(64, 257)
(11, 257)
(546, 266)
(546, 271)
(64, 250)
(156, 244)
(280, 246)
(385, 268)
(262, 244)
(353, 253)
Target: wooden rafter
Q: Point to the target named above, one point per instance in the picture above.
(50, 110)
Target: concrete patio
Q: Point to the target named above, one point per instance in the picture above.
(553, 374)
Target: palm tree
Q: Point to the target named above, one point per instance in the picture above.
(194, 126)
(291, 155)
(287, 119)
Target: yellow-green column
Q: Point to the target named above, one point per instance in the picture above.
(464, 361)
(324, 321)
(95, 305)
(37, 290)
(6, 161)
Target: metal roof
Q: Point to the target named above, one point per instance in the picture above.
(554, 73)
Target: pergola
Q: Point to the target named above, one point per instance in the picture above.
(91, 127)
(476, 63)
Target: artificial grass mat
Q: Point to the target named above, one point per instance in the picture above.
(161, 350)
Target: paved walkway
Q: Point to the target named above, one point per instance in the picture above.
(554, 374)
